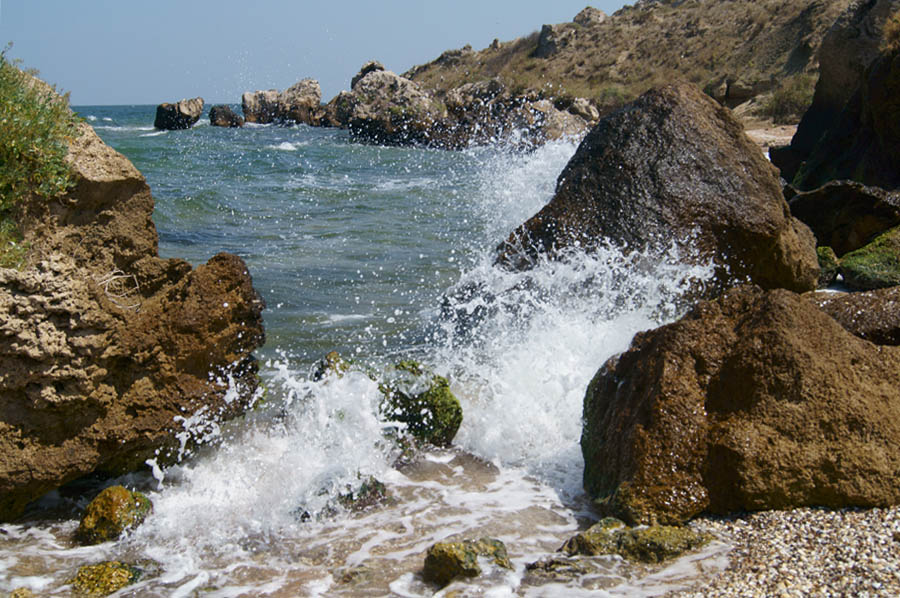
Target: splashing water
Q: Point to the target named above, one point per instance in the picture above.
(255, 511)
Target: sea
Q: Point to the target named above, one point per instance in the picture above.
(381, 254)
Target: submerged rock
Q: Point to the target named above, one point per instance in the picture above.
(874, 266)
(104, 578)
(113, 512)
(757, 400)
(423, 401)
(446, 561)
(180, 115)
(673, 166)
(653, 544)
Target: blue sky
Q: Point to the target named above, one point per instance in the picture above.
(129, 52)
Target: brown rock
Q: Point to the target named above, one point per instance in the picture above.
(757, 400)
(103, 345)
(871, 315)
(674, 165)
(590, 16)
(112, 512)
(369, 67)
(180, 115)
(554, 38)
(300, 102)
(845, 215)
(223, 116)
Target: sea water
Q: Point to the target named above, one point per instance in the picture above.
(381, 254)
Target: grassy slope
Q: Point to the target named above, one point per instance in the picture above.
(755, 42)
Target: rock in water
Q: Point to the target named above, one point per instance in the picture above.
(674, 165)
(103, 345)
(104, 578)
(260, 107)
(446, 561)
(180, 115)
(653, 544)
(757, 400)
(300, 102)
(113, 512)
(223, 116)
(423, 401)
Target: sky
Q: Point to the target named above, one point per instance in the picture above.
(131, 52)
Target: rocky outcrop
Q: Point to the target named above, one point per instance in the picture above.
(845, 215)
(589, 16)
(849, 47)
(863, 143)
(104, 347)
(674, 165)
(299, 103)
(369, 67)
(553, 39)
(871, 315)
(757, 400)
(223, 116)
(180, 115)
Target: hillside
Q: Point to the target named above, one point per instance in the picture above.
(735, 49)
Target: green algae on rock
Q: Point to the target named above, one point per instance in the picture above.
(113, 512)
(876, 265)
(448, 560)
(104, 578)
(653, 544)
(423, 401)
(22, 593)
(829, 265)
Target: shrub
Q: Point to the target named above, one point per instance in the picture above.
(35, 124)
(891, 33)
(790, 99)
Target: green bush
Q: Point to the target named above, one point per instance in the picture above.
(35, 125)
(790, 99)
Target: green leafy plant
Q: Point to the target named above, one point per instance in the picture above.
(35, 125)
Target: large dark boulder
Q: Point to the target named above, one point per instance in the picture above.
(845, 215)
(757, 400)
(674, 165)
(870, 315)
(180, 115)
(223, 115)
(261, 107)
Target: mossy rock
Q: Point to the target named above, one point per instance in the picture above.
(369, 494)
(113, 512)
(876, 265)
(330, 365)
(446, 561)
(829, 266)
(22, 593)
(653, 544)
(423, 401)
(104, 578)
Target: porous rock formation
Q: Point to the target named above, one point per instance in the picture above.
(223, 115)
(299, 103)
(180, 115)
(105, 347)
(757, 400)
(674, 165)
(870, 315)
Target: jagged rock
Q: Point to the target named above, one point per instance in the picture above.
(653, 544)
(845, 215)
(585, 109)
(554, 38)
(863, 142)
(112, 512)
(180, 115)
(446, 561)
(300, 102)
(223, 116)
(829, 266)
(590, 16)
(848, 48)
(423, 401)
(260, 106)
(369, 67)
(757, 400)
(104, 578)
(389, 109)
(871, 315)
(103, 345)
(674, 165)
(875, 265)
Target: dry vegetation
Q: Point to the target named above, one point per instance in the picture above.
(752, 44)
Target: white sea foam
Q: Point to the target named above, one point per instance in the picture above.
(288, 146)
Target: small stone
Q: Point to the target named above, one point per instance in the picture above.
(113, 512)
(104, 578)
(653, 544)
(423, 401)
(448, 560)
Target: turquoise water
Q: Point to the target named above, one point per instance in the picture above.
(357, 248)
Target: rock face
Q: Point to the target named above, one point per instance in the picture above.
(848, 48)
(299, 103)
(845, 215)
(371, 66)
(105, 347)
(863, 143)
(757, 400)
(553, 39)
(180, 115)
(873, 315)
(224, 116)
(590, 16)
(674, 165)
